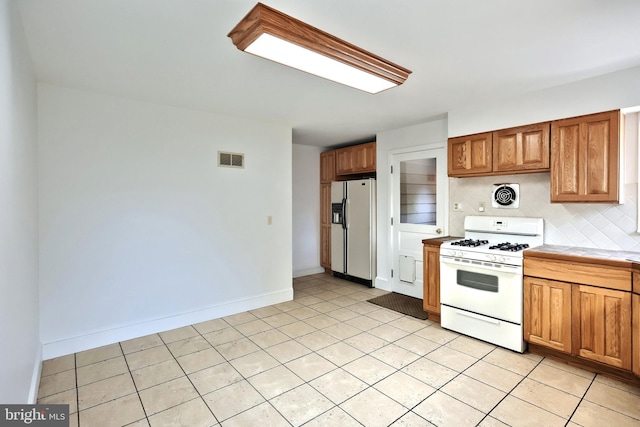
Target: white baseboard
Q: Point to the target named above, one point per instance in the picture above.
(123, 333)
(35, 378)
(308, 272)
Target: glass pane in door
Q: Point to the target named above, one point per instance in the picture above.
(418, 191)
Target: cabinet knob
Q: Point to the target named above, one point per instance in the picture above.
(439, 230)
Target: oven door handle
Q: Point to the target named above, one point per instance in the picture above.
(485, 265)
(477, 317)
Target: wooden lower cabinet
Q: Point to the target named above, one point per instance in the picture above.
(547, 313)
(431, 280)
(635, 327)
(325, 246)
(601, 326)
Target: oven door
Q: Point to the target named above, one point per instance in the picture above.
(486, 288)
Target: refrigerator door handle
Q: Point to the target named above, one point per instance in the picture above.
(344, 214)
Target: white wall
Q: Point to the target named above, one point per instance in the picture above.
(607, 92)
(433, 132)
(606, 226)
(20, 353)
(306, 210)
(140, 231)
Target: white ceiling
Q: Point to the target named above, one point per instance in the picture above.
(461, 52)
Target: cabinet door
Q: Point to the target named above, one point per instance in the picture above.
(470, 155)
(363, 158)
(325, 246)
(601, 325)
(635, 327)
(344, 162)
(547, 313)
(431, 279)
(522, 149)
(585, 158)
(325, 204)
(327, 167)
(325, 225)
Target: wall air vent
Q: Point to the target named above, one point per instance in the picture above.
(506, 196)
(231, 160)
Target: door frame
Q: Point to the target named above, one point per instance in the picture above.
(439, 151)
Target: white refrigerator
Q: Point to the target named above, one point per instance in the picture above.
(353, 230)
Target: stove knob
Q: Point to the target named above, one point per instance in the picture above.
(503, 259)
(460, 254)
(492, 257)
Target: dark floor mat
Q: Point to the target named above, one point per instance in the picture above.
(401, 303)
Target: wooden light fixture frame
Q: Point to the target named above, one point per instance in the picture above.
(264, 19)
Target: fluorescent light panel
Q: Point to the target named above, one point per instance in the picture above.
(292, 55)
(270, 34)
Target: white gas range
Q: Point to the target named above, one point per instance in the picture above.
(481, 278)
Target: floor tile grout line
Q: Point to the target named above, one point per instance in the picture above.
(339, 367)
(531, 403)
(144, 410)
(188, 378)
(581, 400)
(594, 380)
(506, 394)
(241, 375)
(75, 367)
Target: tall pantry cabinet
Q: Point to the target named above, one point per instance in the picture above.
(327, 175)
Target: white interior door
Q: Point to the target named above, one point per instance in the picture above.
(419, 210)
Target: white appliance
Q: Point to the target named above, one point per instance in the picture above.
(481, 278)
(353, 230)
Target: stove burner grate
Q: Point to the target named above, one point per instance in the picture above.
(470, 243)
(510, 247)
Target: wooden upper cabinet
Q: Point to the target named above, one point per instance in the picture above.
(585, 162)
(522, 149)
(547, 313)
(356, 159)
(470, 155)
(364, 157)
(327, 167)
(602, 325)
(344, 165)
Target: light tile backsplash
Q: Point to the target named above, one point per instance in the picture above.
(593, 225)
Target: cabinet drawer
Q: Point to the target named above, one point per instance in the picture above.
(604, 277)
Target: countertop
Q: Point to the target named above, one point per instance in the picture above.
(437, 241)
(615, 258)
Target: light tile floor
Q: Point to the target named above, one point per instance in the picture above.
(328, 358)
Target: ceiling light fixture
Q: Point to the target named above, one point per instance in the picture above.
(273, 35)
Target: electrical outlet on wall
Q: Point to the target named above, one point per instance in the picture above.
(457, 207)
(481, 207)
